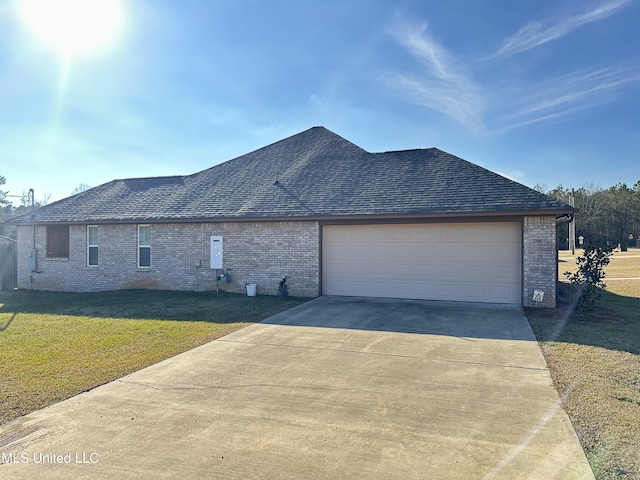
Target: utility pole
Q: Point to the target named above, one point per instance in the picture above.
(33, 256)
(572, 227)
(33, 215)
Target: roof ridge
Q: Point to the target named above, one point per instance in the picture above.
(290, 139)
(314, 173)
(159, 177)
(426, 149)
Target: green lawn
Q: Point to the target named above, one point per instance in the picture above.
(56, 345)
(595, 356)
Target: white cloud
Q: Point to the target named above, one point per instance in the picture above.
(442, 85)
(567, 94)
(537, 33)
(439, 82)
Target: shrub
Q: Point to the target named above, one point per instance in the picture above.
(587, 281)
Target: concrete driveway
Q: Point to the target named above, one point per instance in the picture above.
(335, 388)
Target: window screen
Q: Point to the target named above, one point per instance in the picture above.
(58, 241)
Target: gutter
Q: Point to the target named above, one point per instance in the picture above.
(323, 219)
(566, 218)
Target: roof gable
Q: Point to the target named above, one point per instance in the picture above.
(313, 174)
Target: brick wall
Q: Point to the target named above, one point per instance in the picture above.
(259, 252)
(539, 261)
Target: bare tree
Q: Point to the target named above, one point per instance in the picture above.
(3, 199)
(80, 188)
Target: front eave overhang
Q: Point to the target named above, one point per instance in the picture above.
(505, 215)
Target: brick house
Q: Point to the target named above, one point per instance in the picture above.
(336, 219)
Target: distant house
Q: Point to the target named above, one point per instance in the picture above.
(334, 218)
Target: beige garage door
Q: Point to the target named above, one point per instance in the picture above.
(471, 262)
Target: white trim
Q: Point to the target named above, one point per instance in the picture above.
(144, 246)
(89, 246)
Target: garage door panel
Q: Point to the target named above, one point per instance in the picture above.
(476, 273)
(372, 234)
(339, 251)
(495, 251)
(402, 251)
(503, 272)
(452, 234)
(475, 293)
(465, 262)
(474, 251)
(423, 253)
(446, 251)
(512, 251)
(426, 235)
(501, 233)
(425, 290)
(398, 254)
(454, 272)
(373, 252)
(500, 294)
(340, 236)
(404, 235)
(449, 291)
(340, 270)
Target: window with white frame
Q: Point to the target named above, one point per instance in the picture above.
(92, 246)
(144, 246)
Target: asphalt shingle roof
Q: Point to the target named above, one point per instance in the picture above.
(314, 174)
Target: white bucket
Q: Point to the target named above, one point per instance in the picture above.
(251, 289)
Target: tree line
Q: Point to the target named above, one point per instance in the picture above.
(606, 217)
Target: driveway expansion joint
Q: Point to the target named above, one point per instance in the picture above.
(383, 354)
(228, 387)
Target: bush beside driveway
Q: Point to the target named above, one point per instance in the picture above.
(594, 360)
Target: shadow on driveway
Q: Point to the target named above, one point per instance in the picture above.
(410, 316)
(335, 388)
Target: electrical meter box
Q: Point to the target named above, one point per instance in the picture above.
(33, 260)
(216, 252)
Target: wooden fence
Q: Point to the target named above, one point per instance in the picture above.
(8, 264)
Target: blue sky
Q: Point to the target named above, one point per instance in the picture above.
(542, 92)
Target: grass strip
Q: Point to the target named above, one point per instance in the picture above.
(56, 345)
(594, 356)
